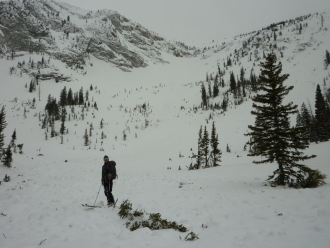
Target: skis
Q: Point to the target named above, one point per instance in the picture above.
(90, 206)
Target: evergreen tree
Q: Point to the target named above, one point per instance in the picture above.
(56, 110)
(200, 148)
(229, 63)
(281, 144)
(49, 99)
(228, 149)
(62, 129)
(298, 120)
(101, 124)
(81, 96)
(63, 114)
(253, 82)
(215, 87)
(232, 83)
(320, 116)
(327, 118)
(215, 152)
(31, 87)
(7, 157)
(238, 88)
(70, 98)
(76, 99)
(306, 121)
(87, 95)
(13, 138)
(204, 97)
(210, 91)
(242, 74)
(63, 97)
(327, 57)
(86, 140)
(205, 148)
(3, 125)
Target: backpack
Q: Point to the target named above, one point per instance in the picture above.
(112, 170)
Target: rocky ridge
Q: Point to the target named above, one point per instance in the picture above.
(71, 35)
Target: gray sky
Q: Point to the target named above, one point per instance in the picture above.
(205, 20)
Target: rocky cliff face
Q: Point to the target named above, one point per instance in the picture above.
(71, 34)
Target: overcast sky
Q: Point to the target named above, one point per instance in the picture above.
(205, 20)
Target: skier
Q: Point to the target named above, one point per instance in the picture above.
(108, 175)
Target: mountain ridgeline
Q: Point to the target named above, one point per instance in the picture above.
(71, 34)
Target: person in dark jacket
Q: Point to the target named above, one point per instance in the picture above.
(108, 175)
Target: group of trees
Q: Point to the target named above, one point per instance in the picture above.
(208, 154)
(56, 110)
(272, 139)
(238, 86)
(317, 127)
(70, 98)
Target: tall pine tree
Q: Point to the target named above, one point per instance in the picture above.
(3, 125)
(70, 98)
(204, 96)
(81, 96)
(63, 97)
(232, 84)
(199, 150)
(320, 116)
(215, 151)
(205, 148)
(281, 143)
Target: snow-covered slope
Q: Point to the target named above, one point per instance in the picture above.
(227, 206)
(301, 52)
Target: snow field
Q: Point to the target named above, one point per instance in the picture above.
(42, 203)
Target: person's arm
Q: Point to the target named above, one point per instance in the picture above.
(102, 177)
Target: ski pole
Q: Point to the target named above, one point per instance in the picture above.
(98, 194)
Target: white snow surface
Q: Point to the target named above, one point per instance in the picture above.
(41, 205)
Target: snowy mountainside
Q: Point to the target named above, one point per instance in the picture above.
(300, 44)
(71, 34)
(151, 118)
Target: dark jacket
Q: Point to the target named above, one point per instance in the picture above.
(109, 168)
